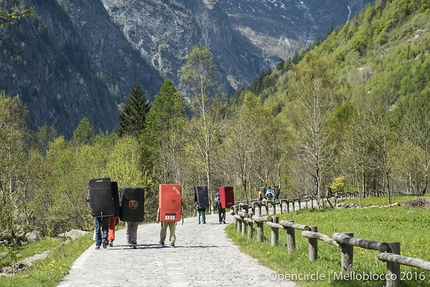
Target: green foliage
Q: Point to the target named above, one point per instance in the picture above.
(7, 18)
(133, 113)
(379, 224)
(338, 184)
(84, 133)
(163, 140)
(52, 269)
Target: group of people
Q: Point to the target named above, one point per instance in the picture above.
(105, 227)
(201, 211)
(269, 194)
(105, 231)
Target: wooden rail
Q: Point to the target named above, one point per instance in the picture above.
(389, 252)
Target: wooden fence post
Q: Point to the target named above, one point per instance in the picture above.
(313, 246)
(393, 269)
(291, 239)
(243, 227)
(250, 229)
(275, 232)
(260, 232)
(236, 209)
(347, 254)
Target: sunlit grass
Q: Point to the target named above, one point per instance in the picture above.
(52, 269)
(410, 227)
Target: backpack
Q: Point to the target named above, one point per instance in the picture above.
(217, 202)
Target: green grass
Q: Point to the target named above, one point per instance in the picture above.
(410, 227)
(52, 269)
(381, 200)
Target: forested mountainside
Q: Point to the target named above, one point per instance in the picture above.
(350, 114)
(76, 59)
(359, 101)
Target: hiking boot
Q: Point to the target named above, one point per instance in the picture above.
(111, 243)
(172, 244)
(97, 246)
(104, 243)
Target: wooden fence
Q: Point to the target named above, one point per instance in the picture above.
(389, 252)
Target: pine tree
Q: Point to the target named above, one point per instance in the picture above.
(133, 114)
(162, 139)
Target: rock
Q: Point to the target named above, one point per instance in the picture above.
(74, 233)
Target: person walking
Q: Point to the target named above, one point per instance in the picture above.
(163, 231)
(101, 231)
(201, 200)
(276, 193)
(269, 193)
(221, 210)
(131, 233)
(112, 222)
(131, 212)
(201, 213)
(260, 196)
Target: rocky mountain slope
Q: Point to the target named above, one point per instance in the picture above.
(77, 59)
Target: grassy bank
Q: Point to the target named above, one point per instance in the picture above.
(52, 269)
(408, 226)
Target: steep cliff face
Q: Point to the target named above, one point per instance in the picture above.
(164, 32)
(44, 63)
(77, 58)
(281, 27)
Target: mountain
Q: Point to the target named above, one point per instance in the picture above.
(76, 59)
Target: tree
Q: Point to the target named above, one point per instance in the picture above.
(163, 140)
(200, 80)
(84, 133)
(124, 166)
(243, 141)
(313, 85)
(254, 142)
(12, 163)
(133, 113)
(7, 18)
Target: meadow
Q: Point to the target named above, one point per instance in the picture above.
(50, 270)
(409, 226)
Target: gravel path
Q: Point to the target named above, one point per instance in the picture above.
(203, 256)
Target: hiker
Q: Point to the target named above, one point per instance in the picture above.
(163, 231)
(201, 213)
(101, 231)
(260, 196)
(221, 210)
(269, 193)
(112, 222)
(100, 226)
(131, 233)
(276, 192)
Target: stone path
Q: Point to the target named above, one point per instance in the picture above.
(203, 256)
